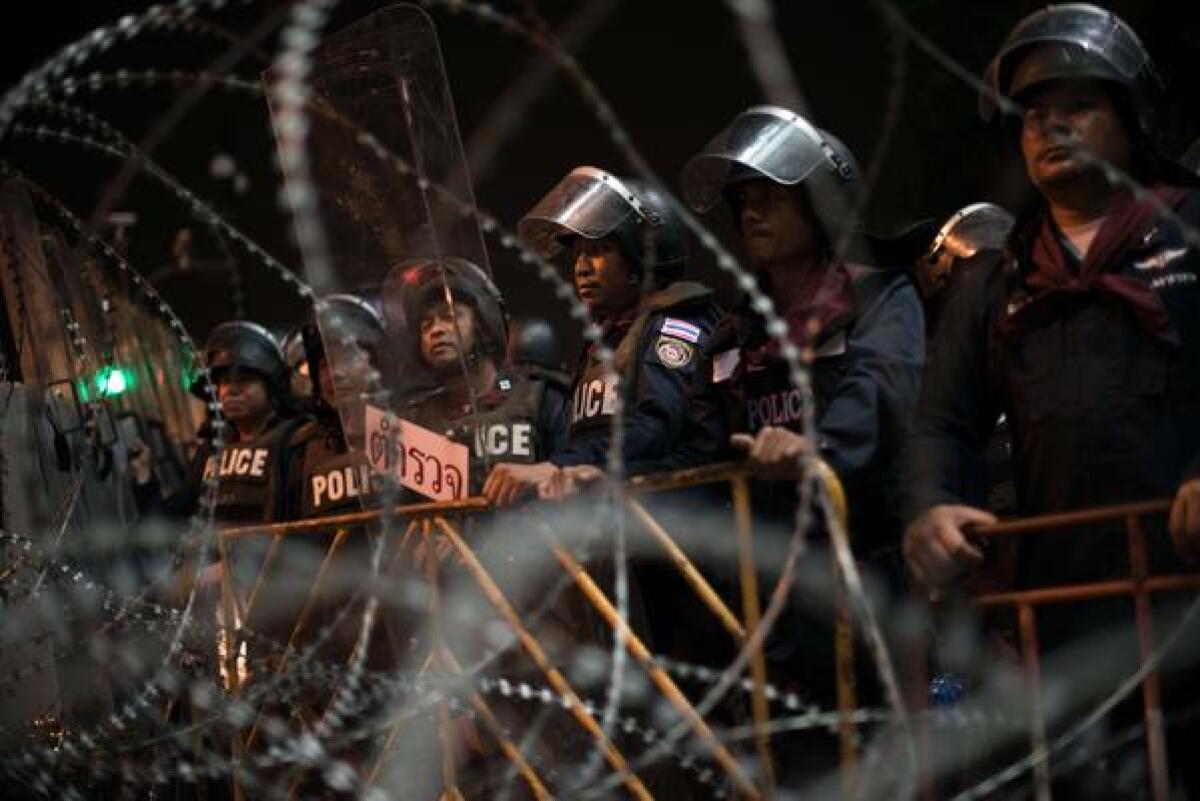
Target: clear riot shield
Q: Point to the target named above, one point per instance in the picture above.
(391, 185)
(55, 415)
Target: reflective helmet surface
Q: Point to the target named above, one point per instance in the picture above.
(416, 285)
(246, 345)
(534, 342)
(1073, 40)
(970, 230)
(783, 147)
(354, 318)
(979, 226)
(593, 204)
(1191, 157)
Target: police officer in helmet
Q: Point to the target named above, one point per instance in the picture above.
(628, 249)
(792, 189)
(343, 358)
(1084, 334)
(455, 322)
(252, 388)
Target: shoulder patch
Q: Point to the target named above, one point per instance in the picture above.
(681, 329)
(672, 352)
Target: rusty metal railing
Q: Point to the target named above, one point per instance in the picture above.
(1141, 586)
(425, 519)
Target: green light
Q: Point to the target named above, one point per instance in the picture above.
(112, 381)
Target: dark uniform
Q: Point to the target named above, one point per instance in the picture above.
(865, 377)
(520, 420)
(251, 474)
(1093, 361)
(865, 331)
(1102, 408)
(869, 346)
(660, 351)
(659, 344)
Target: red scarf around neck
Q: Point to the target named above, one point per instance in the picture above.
(1054, 285)
(826, 297)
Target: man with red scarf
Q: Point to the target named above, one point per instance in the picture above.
(792, 189)
(1085, 333)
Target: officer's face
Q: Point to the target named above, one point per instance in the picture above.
(439, 343)
(603, 278)
(243, 396)
(774, 224)
(1068, 125)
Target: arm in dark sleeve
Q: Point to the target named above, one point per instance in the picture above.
(705, 436)
(552, 421)
(654, 422)
(866, 421)
(944, 460)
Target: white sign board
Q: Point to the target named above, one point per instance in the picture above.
(416, 457)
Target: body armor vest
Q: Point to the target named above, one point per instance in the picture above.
(250, 476)
(504, 430)
(594, 395)
(335, 481)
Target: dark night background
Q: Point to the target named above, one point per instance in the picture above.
(675, 72)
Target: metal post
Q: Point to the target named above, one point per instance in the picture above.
(691, 575)
(531, 647)
(753, 614)
(1029, 655)
(1156, 746)
(638, 650)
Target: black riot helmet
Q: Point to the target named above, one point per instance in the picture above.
(354, 320)
(243, 345)
(594, 204)
(1073, 40)
(414, 286)
(781, 146)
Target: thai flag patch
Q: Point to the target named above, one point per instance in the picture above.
(681, 329)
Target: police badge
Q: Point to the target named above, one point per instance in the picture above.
(674, 353)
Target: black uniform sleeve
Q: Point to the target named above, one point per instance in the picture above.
(868, 417)
(655, 420)
(944, 460)
(552, 420)
(705, 435)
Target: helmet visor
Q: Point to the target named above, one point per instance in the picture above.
(766, 140)
(588, 202)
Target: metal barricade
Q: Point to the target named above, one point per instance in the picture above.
(1141, 586)
(425, 519)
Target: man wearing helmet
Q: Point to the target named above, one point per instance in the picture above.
(330, 475)
(247, 367)
(629, 251)
(453, 318)
(792, 190)
(1084, 333)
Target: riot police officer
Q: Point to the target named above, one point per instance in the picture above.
(792, 189)
(330, 474)
(629, 252)
(501, 414)
(252, 387)
(1083, 333)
